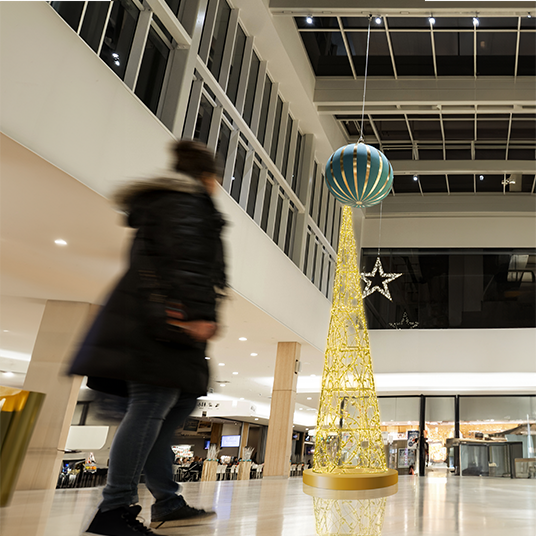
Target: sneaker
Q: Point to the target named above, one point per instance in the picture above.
(184, 515)
(118, 522)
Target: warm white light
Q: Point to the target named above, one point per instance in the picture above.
(222, 385)
(207, 357)
(431, 20)
(253, 354)
(256, 418)
(309, 20)
(235, 373)
(476, 22)
(529, 16)
(240, 399)
(313, 375)
(221, 364)
(9, 374)
(309, 398)
(378, 20)
(5, 330)
(301, 409)
(242, 339)
(60, 242)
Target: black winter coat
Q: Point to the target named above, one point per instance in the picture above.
(178, 237)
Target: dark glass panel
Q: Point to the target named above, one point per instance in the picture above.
(398, 154)
(70, 12)
(413, 53)
(430, 154)
(236, 64)
(266, 205)
(313, 190)
(418, 23)
(495, 53)
(461, 183)
(454, 53)
(426, 130)
(327, 53)
(523, 130)
(252, 86)
(223, 141)
(218, 38)
(489, 183)
(284, 165)
(527, 22)
(162, 28)
(253, 188)
(238, 174)
(119, 35)
(277, 128)
(453, 22)
(527, 183)
(289, 235)
(204, 117)
(499, 23)
(459, 130)
(278, 214)
(527, 54)
(152, 71)
(296, 173)
(351, 128)
(455, 288)
(392, 130)
(93, 24)
(492, 130)
(490, 154)
(380, 63)
(521, 154)
(404, 184)
(264, 109)
(433, 183)
(306, 255)
(355, 22)
(317, 22)
(458, 153)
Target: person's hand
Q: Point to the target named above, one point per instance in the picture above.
(200, 330)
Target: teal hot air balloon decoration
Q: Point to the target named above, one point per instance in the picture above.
(359, 175)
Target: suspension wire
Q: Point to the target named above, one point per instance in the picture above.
(361, 137)
(380, 232)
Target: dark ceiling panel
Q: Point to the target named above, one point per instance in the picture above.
(492, 130)
(413, 53)
(426, 130)
(426, 153)
(390, 130)
(527, 54)
(505, 23)
(419, 23)
(490, 154)
(380, 63)
(327, 53)
(489, 183)
(527, 184)
(454, 53)
(405, 184)
(459, 130)
(317, 22)
(523, 129)
(458, 153)
(433, 183)
(495, 53)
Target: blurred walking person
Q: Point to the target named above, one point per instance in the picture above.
(148, 341)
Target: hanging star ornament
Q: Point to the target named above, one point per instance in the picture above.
(404, 323)
(387, 278)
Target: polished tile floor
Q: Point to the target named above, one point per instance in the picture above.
(435, 505)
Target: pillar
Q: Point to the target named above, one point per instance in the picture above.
(279, 441)
(62, 326)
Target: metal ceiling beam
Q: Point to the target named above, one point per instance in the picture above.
(462, 167)
(393, 7)
(491, 95)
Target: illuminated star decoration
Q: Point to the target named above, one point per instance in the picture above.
(387, 278)
(404, 323)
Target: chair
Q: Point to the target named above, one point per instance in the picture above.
(220, 472)
(259, 470)
(293, 469)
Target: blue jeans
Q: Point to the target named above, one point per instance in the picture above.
(143, 442)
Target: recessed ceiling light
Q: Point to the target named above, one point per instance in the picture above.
(241, 399)
(476, 22)
(529, 16)
(253, 354)
(9, 374)
(207, 357)
(309, 19)
(256, 418)
(5, 330)
(481, 177)
(235, 373)
(242, 339)
(431, 20)
(378, 20)
(301, 409)
(222, 385)
(313, 375)
(415, 178)
(60, 242)
(221, 364)
(309, 398)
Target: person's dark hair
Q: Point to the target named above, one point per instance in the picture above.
(195, 159)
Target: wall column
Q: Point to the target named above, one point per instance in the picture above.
(279, 441)
(62, 326)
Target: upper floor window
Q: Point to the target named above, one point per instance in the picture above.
(218, 38)
(236, 64)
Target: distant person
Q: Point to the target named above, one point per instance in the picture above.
(148, 342)
(411, 470)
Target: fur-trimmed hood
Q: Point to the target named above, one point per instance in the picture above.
(124, 197)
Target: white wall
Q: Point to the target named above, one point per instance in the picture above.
(62, 102)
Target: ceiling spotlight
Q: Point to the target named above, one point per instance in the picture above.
(222, 385)
(415, 178)
(256, 418)
(431, 20)
(221, 364)
(529, 16)
(242, 339)
(481, 177)
(309, 398)
(60, 242)
(253, 354)
(207, 357)
(115, 55)
(476, 22)
(9, 374)
(378, 20)
(235, 373)
(309, 19)
(301, 409)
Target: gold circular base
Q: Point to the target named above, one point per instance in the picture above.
(350, 481)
